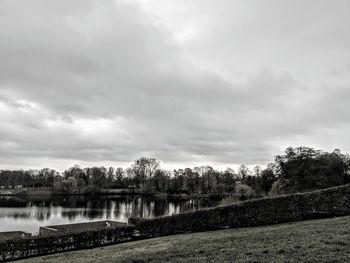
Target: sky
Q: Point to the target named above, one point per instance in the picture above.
(189, 82)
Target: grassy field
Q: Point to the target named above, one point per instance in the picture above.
(326, 240)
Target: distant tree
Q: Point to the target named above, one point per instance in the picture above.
(144, 168)
(244, 192)
(120, 178)
(80, 175)
(190, 177)
(131, 177)
(243, 172)
(267, 179)
(228, 180)
(304, 168)
(110, 177)
(161, 181)
(97, 177)
(297, 169)
(211, 178)
(257, 171)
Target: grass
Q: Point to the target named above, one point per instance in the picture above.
(326, 240)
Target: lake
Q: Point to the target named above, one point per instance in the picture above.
(28, 214)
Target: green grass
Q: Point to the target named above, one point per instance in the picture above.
(318, 241)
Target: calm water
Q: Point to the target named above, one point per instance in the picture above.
(29, 214)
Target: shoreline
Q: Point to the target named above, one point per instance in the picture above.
(107, 192)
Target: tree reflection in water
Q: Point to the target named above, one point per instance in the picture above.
(30, 213)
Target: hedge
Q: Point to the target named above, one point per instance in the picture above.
(43, 245)
(318, 204)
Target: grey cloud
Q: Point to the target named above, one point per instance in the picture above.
(110, 84)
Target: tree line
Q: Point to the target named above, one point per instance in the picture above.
(297, 169)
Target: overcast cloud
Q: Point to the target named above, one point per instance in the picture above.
(188, 82)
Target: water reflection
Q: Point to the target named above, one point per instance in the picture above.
(28, 214)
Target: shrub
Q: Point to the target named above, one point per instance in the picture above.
(244, 192)
(277, 188)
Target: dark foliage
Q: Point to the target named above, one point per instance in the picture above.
(303, 168)
(43, 245)
(318, 204)
(298, 169)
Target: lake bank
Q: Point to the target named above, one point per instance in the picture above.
(103, 192)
